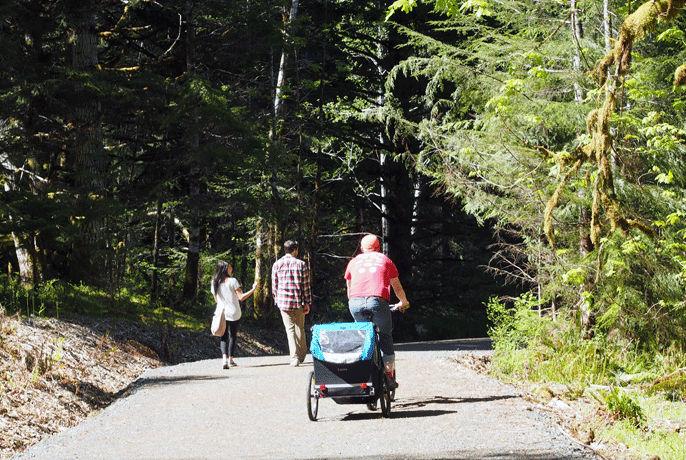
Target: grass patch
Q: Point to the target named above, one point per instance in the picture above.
(55, 297)
(662, 433)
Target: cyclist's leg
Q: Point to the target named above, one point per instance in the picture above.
(376, 310)
(381, 317)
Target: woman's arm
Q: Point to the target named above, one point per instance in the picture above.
(244, 295)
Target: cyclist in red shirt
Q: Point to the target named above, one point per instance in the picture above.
(369, 279)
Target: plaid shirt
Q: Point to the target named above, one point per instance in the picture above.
(291, 283)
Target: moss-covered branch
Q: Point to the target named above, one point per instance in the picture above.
(555, 199)
(636, 26)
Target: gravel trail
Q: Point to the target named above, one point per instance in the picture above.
(258, 411)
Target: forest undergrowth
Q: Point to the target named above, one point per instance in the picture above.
(617, 397)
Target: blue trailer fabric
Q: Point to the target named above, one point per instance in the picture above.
(343, 342)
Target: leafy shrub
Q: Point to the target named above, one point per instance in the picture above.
(623, 407)
(538, 348)
(672, 385)
(516, 326)
(514, 332)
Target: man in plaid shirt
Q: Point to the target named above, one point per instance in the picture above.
(293, 295)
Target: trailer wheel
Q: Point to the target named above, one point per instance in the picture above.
(312, 398)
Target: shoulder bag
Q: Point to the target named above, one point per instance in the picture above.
(218, 324)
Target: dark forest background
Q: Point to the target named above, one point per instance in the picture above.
(516, 158)
(144, 141)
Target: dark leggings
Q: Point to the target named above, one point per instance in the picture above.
(230, 337)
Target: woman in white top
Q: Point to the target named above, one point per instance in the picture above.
(228, 295)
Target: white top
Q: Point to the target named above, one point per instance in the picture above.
(227, 299)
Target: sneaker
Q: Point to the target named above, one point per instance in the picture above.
(392, 384)
(295, 363)
(226, 366)
(232, 364)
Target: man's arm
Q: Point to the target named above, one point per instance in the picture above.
(307, 289)
(399, 293)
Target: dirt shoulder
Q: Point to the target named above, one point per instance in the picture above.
(55, 374)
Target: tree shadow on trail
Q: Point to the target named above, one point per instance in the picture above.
(481, 344)
(446, 400)
(416, 408)
(163, 381)
(487, 454)
(283, 364)
(406, 414)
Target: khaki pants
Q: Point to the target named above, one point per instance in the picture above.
(294, 322)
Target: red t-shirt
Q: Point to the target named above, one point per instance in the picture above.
(370, 274)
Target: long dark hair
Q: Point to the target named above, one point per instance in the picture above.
(220, 274)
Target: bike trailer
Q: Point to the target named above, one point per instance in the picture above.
(345, 359)
(348, 367)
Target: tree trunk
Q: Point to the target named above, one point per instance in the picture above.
(316, 197)
(585, 245)
(607, 26)
(20, 241)
(281, 79)
(267, 235)
(261, 300)
(577, 35)
(384, 197)
(24, 261)
(415, 210)
(89, 154)
(156, 251)
(190, 286)
(381, 53)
